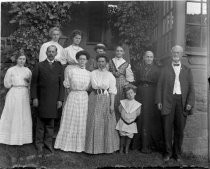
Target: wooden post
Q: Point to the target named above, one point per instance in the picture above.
(208, 74)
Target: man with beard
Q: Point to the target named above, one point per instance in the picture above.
(175, 98)
(47, 93)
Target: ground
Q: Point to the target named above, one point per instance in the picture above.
(11, 156)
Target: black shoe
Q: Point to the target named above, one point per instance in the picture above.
(178, 159)
(146, 150)
(39, 151)
(50, 148)
(121, 151)
(166, 158)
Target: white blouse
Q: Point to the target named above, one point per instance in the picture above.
(129, 74)
(76, 78)
(60, 52)
(103, 79)
(15, 76)
(70, 53)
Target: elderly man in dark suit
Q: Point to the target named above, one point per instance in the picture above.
(47, 92)
(175, 98)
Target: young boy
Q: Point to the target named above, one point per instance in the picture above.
(129, 109)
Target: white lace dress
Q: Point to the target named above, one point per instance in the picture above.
(16, 122)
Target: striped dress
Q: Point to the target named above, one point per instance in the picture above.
(123, 74)
(101, 135)
(71, 135)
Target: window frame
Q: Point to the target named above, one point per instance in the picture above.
(88, 42)
(195, 51)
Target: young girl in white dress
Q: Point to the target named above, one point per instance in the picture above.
(16, 122)
(129, 109)
(55, 34)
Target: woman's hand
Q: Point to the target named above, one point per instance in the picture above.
(159, 106)
(59, 104)
(68, 90)
(35, 102)
(27, 80)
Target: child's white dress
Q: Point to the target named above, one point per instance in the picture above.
(129, 110)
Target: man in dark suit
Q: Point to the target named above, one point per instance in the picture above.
(47, 92)
(175, 98)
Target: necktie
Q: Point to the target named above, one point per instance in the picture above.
(51, 64)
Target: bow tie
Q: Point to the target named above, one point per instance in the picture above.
(176, 64)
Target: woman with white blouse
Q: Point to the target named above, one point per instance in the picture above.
(55, 34)
(101, 136)
(71, 51)
(16, 122)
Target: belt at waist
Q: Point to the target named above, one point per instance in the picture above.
(19, 86)
(100, 91)
(127, 122)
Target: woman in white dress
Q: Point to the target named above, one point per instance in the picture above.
(16, 122)
(70, 51)
(55, 34)
(71, 135)
(101, 135)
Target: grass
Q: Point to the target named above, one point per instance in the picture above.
(25, 155)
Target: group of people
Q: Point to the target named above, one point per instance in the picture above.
(105, 103)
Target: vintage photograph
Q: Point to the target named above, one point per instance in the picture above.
(105, 84)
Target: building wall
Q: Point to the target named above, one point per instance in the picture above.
(82, 21)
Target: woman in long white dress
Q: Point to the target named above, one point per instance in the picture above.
(71, 135)
(71, 51)
(55, 34)
(16, 122)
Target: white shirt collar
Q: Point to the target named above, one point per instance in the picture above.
(118, 59)
(50, 61)
(102, 70)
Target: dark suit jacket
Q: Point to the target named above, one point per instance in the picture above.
(166, 85)
(47, 87)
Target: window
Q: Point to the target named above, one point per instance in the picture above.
(95, 27)
(163, 33)
(196, 24)
(167, 27)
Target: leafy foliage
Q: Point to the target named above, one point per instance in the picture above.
(132, 22)
(34, 20)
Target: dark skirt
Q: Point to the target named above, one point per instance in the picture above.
(149, 122)
(101, 135)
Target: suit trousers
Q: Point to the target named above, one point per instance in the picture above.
(173, 126)
(44, 132)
